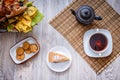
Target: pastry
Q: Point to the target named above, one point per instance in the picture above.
(33, 48)
(21, 57)
(27, 51)
(56, 57)
(20, 51)
(26, 45)
(26, 48)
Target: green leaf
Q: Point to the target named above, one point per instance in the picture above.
(10, 27)
(29, 4)
(20, 0)
(37, 18)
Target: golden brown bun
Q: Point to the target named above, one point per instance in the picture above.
(20, 51)
(26, 45)
(21, 57)
(33, 48)
(27, 51)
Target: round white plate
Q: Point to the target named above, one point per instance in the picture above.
(62, 66)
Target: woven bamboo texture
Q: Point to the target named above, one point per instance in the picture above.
(66, 24)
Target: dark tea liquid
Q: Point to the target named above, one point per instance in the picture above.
(98, 42)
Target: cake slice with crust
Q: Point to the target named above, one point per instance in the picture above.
(57, 57)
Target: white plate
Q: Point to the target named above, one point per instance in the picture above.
(62, 66)
(31, 40)
(87, 49)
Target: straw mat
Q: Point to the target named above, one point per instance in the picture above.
(66, 24)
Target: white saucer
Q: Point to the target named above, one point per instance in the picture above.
(60, 67)
(87, 49)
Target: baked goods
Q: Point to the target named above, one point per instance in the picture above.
(27, 51)
(33, 48)
(20, 51)
(26, 48)
(21, 57)
(56, 57)
(26, 45)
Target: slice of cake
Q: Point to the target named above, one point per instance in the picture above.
(56, 57)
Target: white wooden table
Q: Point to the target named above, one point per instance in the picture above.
(36, 68)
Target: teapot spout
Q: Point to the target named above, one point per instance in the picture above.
(98, 18)
(73, 12)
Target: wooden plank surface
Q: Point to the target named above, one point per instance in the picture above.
(36, 68)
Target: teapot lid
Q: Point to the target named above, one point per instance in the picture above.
(85, 14)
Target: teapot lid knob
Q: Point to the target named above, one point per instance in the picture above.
(85, 13)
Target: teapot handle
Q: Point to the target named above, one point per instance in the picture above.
(73, 12)
(98, 18)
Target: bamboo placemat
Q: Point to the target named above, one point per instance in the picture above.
(66, 24)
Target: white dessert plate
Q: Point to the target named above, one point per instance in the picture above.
(31, 40)
(62, 66)
(87, 49)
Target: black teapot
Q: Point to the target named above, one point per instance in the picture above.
(85, 14)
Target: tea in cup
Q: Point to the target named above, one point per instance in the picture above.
(98, 42)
